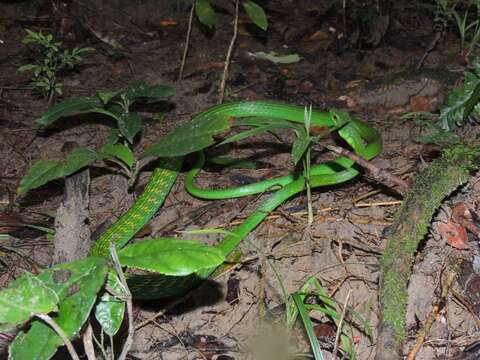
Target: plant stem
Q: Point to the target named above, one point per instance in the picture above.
(47, 319)
(187, 41)
(128, 299)
(229, 54)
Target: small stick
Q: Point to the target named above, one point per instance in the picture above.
(187, 41)
(339, 326)
(88, 342)
(430, 320)
(377, 173)
(47, 319)
(229, 54)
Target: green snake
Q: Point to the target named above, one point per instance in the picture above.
(362, 139)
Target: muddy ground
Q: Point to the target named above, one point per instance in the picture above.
(339, 67)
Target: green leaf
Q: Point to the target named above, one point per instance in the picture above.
(27, 67)
(276, 58)
(193, 136)
(68, 108)
(106, 96)
(119, 151)
(300, 145)
(23, 298)
(110, 310)
(307, 324)
(205, 13)
(76, 284)
(249, 133)
(39, 174)
(129, 125)
(44, 171)
(256, 13)
(461, 102)
(142, 89)
(113, 136)
(77, 159)
(170, 256)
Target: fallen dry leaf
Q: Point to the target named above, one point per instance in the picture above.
(421, 103)
(461, 215)
(455, 234)
(168, 22)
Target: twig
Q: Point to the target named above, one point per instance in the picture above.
(128, 299)
(436, 37)
(187, 41)
(229, 54)
(339, 326)
(430, 320)
(47, 319)
(88, 343)
(377, 173)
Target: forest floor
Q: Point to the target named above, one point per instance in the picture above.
(371, 77)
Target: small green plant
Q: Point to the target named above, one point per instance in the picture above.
(468, 25)
(117, 149)
(50, 58)
(72, 291)
(462, 104)
(208, 17)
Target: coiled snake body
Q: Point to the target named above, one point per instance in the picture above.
(362, 139)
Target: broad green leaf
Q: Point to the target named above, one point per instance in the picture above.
(39, 174)
(76, 284)
(79, 158)
(170, 256)
(23, 298)
(205, 13)
(193, 136)
(68, 108)
(106, 96)
(142, 89)
(461, 102)
(119, 151)
(113, 136)
(261, 121)
(129, 125)
(161, 92)
(249, 133)
(44, 171)
(27, 67)
(276, 58)
(256, 13)
(110, 310)
(300, 145)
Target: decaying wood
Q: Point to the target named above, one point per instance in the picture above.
(429, 189)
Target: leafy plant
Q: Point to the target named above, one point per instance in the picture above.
(117, 150)
(50, 59)
(208, 17)
(58, 302)
(468, 26)
(462, 103)
(329, 307)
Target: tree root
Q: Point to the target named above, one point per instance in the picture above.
(410, 226)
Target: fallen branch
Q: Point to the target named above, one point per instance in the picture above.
(379, 174)
(410, 226)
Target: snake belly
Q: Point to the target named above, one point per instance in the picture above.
(362, 138)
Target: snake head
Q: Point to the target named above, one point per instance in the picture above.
(339, 117)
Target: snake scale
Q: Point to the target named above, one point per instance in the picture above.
(362, 139)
